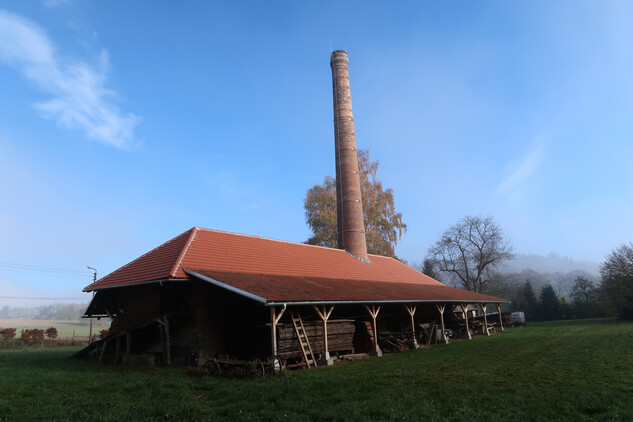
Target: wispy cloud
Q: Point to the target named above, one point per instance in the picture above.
(524, 169)
(80, 99)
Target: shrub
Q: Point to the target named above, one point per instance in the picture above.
(103, 334)
(51, 333)
(32, 336)
(8, 334)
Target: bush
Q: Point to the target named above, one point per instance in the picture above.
(33, 336)
(51, 333)
(103, 334)
(8, 334)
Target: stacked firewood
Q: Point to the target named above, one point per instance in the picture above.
(340, 337)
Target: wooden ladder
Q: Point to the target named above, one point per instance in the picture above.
(304, 343)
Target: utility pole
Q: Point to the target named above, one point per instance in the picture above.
(94, 279)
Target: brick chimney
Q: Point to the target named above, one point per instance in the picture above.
(349, 204)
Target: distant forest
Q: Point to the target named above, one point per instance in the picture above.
(54, 311)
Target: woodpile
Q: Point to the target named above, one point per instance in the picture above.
(340, 337)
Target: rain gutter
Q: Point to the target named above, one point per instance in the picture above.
(227, 287)
(356, 302)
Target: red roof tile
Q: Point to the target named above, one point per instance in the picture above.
(290, 289)
(282, 271)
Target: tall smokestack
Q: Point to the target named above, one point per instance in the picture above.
(349, 204)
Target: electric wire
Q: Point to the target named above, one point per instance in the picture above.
(9, 266)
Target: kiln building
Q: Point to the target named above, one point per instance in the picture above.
(206, 294)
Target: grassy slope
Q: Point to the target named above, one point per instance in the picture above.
(575, 370)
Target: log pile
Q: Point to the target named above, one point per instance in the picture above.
(340, 337)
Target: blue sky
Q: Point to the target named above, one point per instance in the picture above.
(123, 124)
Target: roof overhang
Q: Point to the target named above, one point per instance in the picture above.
(227, 287)
(229, 283)
(378, 302)
(161, 281)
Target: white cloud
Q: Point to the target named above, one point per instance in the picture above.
(80, 99)
(521, 172)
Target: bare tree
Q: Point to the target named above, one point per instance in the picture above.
(617, 277)
(583, 294)
(472, 251)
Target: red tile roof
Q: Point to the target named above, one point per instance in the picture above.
(289, 289)
(280, 271)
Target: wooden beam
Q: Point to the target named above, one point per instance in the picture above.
(274, 318)
(440, 309)
(483, 307)
(464, 307)
(324, 313)
(161, 333)
(431, 331)
(373, 312)
(411, 310)
(103, 349)
(118, 349)
(500, 318)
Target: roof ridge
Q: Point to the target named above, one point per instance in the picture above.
(184, 250)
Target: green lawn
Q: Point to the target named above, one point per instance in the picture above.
(572, 371)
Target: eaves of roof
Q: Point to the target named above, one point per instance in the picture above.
(272, 290)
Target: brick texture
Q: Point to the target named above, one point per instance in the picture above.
(349, 205)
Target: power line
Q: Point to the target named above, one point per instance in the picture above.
(59, 271)
(44, 298)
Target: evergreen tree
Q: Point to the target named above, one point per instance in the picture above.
(530, 302)
(549, 304)
(429, 269)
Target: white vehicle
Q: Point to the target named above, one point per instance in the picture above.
(518, 318)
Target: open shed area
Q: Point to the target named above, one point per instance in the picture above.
(221, 296)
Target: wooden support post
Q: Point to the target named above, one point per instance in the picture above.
(161, 334)
(167, 340)
(483, 307)
(464, 307)
(440, 309)
(500, 318)
(324, 313)
(431, 331)
(103, 349)
(118, 349)
(274, 318)
(373, 312)
(411, 310)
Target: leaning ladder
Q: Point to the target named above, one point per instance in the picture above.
(304, 343)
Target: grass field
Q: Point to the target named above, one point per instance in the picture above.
(65, 328)
(568, 371)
